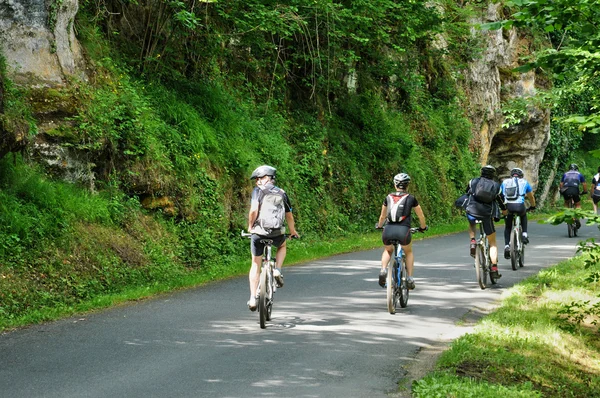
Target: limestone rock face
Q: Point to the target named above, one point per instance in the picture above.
(490, 82)
(38, 41)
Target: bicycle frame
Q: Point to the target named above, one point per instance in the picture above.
(483, 262)
(397, 285)
(266, 282)
(517, 248)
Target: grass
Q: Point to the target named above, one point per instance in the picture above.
(526, 348)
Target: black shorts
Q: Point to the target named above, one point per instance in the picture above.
(397, 232)
(576, 198)
(516, 208)
(596, 199)
(257, 247)
(488, 224)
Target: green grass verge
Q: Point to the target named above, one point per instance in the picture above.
(527, 347)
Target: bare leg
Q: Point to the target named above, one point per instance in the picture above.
(472, 230)
(410, 258)
(493, 248)
(280, 256)
(386, 255)
(254, 275)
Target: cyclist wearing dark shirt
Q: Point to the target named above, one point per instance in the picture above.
(396, 209)
(486, 213)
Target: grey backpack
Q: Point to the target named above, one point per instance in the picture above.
(271, 213)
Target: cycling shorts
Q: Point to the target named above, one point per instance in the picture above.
(488, 224)
(394, 231)
(576, 198)
(257, 247)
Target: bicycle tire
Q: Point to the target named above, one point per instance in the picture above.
(391, 286)
(514, 249)
(479, 265)
(262, 297)
(570, 230)
(522, 256)
(270, 292)
(403, 288)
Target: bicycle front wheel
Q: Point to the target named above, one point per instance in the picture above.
(480, 266)
(263, 307)
(403, 288)
(514, 248)
(391, 286)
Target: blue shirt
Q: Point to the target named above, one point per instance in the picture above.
(524, 189)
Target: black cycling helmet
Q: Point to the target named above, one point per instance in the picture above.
(262, 171)
(401, 180)
(573, 166)
(517, 172)
(488, 171)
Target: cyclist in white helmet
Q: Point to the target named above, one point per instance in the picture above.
(396, 209)
(515, 190)
(269, 209)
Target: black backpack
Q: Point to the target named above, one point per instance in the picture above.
(485, 190)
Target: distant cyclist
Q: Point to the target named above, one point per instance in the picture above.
(270, 209)
(569, 188)
(397, 210)
(485, 199)
(595, 191)
(515, 190)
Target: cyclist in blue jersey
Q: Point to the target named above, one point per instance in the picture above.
(515, 190)
(569, 188)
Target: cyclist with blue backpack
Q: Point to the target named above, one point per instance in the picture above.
(484, 204)
(515, 190)
(569, 188)
(270, 209)
(396, 210)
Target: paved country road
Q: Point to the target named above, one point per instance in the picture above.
(330, 335)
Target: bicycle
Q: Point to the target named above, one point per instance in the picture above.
(397, 283)
(572, 227)
(266, 283)
(517, 247)
(483, 262)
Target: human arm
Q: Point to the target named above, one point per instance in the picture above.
(289, 218)
(421, 215)
(531, 198)
(382, 216)
(252, 216)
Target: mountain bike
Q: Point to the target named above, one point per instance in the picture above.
(266, 283)
(517, 247)
(396, 283)
(483, 261)
(572, 227)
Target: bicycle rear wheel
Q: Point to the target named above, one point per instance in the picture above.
(522, 255)
(570, 230)
(480, 265)
(514, 249)
(402, 291)
(262, 297)
(270, 292)
(391, 286)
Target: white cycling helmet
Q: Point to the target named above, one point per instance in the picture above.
(262, 171)
(401, 180)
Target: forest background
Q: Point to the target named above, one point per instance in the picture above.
(185, 98)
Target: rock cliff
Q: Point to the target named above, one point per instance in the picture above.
(38, 41)
(490, 83)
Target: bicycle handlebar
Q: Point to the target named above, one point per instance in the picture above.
(245, 234)
(412, 229)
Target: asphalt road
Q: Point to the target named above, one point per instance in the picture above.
(330, 335)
